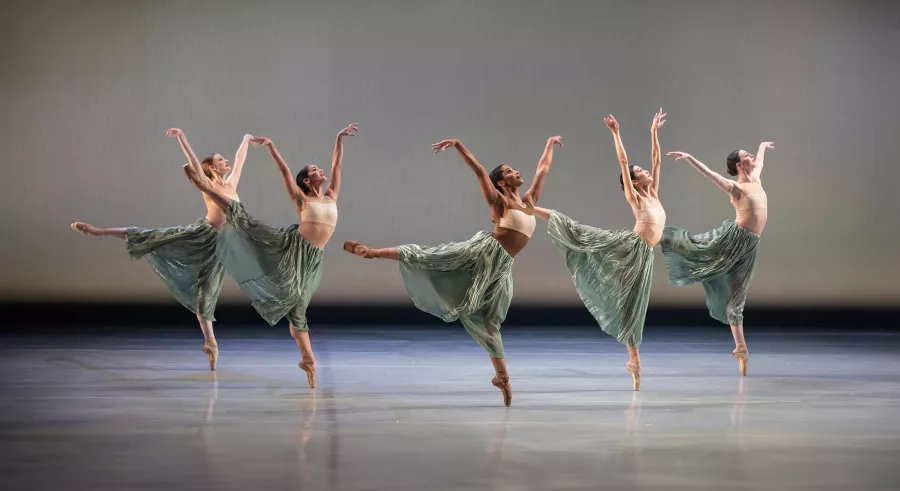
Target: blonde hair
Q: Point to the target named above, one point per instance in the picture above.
(209, 169)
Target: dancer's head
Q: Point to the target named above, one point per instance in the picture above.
(310, 177)
(505, 177)
(215, 167)
(740, 159)
(640, 177)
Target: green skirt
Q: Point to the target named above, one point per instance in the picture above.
(185, 259)
(722, 260)
(276, 267)
(612, 271)
(470, 281)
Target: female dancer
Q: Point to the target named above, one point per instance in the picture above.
(723, 258)
(472, 280)
(612, 270)
(280, 269)
(185, 257)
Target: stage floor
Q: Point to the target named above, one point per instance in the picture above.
(414, 409)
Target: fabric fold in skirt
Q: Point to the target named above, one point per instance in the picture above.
(276, 267)
(612, 271)
(185, 258)
(470, 281)
(722, 259)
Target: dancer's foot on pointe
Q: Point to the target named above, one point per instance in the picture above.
(86, 229)
(501, 381)
(358, 249)
(743, 357)
(310, 368)
(635, 369)
(212, 352)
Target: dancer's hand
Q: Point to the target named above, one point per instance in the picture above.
(768, 145)
(679, 155)
(260, 140)
(611, 123)
(174, 132)
(555, 140)
(348, 131)
(444, 145)
(658, 120)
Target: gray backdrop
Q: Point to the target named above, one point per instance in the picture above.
(88, 89)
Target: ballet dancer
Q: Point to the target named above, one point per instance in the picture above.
(185, 257)
(612, 269)
(472, 280)
(280, 269)
(724, 258)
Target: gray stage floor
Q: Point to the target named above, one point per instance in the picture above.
(414, 410)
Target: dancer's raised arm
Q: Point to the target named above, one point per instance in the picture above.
(655, 157)
(760, 157)
(287, 178)
(613, 126)
(186, 148)
(334, 187)
(724, 184)
(537, 186)
(234, 177)
(204, 184)
(484, 180)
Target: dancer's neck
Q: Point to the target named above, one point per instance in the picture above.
(512, 195)
(315, 194)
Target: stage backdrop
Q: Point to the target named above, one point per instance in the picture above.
(88, 89)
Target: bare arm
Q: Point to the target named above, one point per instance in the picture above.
(201, 182)
(286, 177)
(613, 126)
(186, 148)
(655, 158)
(234, 177)
(724, 184)
(484, 180)
(760, 157)
(537, 186)
(542, 213)
(334, 187)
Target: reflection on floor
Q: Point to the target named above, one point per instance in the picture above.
(414, 409)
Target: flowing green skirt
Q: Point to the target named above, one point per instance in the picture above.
(722, 260)
(185, 259)
(276, 267)
(470, 281)
(612, 271)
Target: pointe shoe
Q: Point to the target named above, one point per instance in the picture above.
(212, 351)
(743, 357)
(501, 381)
(635, 369)
(85, 229)
(358, 249)
(310, 368)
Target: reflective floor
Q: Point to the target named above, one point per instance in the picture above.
(414, 409)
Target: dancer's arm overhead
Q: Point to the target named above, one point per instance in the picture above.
(537, 186)
(287, 178)
(655, 158)
(484, 180)
(188, 151)
(334, 187)
(234, 177)
(201, 182)
(613, 126)
(724, 184)
(760, 156)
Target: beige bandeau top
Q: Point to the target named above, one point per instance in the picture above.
(319, 212)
